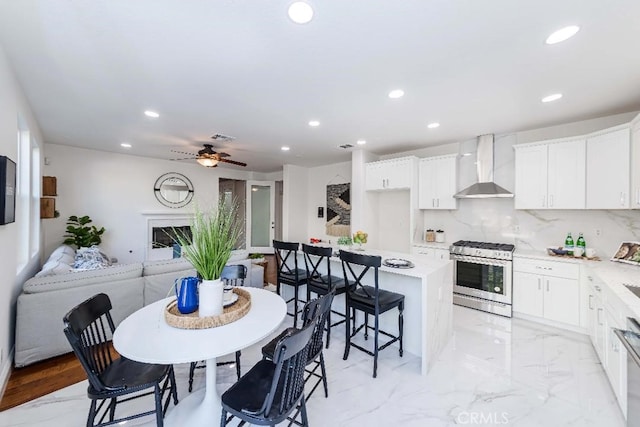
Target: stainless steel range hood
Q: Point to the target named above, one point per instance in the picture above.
(485, 187)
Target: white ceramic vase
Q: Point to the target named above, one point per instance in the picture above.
(210, 298)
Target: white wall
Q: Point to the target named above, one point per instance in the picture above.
(12, 105)
(318, 179)
(294, 204)
(116, 189)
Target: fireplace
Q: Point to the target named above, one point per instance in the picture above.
(166, 237)
(160, 233)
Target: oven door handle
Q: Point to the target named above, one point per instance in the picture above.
(480, 261)
(630, 350)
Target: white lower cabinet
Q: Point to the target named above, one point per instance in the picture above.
(604, 314)
(550, 290)
(430, 252)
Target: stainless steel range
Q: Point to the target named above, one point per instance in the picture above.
(483, 276)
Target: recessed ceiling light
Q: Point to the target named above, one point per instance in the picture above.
(151, 114)
(300, 12)
(551, 98)
(433, 125)
(361, 142)
(562, 34)
(397, 93)
(285, 148)
(314, 123)
(125, 145)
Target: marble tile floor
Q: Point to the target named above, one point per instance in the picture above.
(494, 371)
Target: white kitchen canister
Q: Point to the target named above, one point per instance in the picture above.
(440, 236)
(210, 298)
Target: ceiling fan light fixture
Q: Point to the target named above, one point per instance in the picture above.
(208, 163)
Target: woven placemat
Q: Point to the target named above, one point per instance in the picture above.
(192, 320)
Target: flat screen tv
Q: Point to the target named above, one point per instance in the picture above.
(7, 190)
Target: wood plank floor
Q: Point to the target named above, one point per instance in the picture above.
(45, 377)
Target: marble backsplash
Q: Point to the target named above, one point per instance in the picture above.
(495, 220)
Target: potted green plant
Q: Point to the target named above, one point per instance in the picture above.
(344, 243)
(256, 258)
(80, 234)
(213, 237)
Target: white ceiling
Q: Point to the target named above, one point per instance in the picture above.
(242, 68)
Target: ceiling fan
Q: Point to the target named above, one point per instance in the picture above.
(208, 157)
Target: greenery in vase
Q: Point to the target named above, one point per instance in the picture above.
(213, 237)
(256, 256)
(80, 234)
(345, 241)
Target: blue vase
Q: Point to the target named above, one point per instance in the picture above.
(187, 295)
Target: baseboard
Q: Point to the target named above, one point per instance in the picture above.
(5, 372)
(559, 325)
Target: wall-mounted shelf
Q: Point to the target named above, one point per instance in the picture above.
(47, 207)
(49, 186)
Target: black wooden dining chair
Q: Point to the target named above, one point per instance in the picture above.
(271, 390)
(232, 275)
(320, 281)
(315, 310)
(371, 300)
(113, 379)
(288, 273)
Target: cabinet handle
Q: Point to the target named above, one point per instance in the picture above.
(539, 284)
(544, 200)
(437, 203)
(597, 288)
(637, 196)
(547, 286)
(551, 200)
(433, 203)
(622, 197)
(598, 318)
(590, 299)
(590, 278)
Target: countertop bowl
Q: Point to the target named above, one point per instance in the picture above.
(557, 251)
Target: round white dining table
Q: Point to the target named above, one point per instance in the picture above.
(145, 336)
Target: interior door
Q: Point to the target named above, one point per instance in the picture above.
(260, 216)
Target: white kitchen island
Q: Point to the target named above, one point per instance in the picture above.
(428, 291)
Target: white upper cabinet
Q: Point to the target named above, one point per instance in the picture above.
(608, 170)
(393, 174)
(550, 175)
(635, 160)
(531, 177)
(566, 174)
(438, 182)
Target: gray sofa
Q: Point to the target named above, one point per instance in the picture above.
(46, 299)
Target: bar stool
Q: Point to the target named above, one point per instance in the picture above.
(322, 284)
(370, 300)
(286, 256)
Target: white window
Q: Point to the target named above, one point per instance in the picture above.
(28, 196)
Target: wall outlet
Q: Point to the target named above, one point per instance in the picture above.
(597, 231)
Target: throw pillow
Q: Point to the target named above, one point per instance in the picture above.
(90, 259)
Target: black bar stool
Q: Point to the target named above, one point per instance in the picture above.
(370, 300)
(289, 273)
(322, 284)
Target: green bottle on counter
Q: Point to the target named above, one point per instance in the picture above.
(581, 244)
(568, 244)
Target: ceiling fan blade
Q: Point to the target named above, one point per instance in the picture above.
(182, 152)
(223, 155)
(186, 158)
(233, 162)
